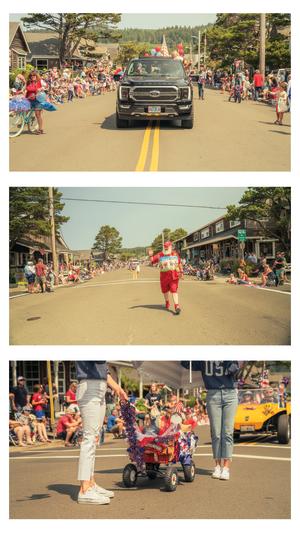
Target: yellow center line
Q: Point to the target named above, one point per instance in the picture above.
(144, 149)
(155, 149)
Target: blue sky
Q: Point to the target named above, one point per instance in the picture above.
(138, 224)
(151, 20)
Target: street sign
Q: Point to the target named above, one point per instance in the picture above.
(241, 235)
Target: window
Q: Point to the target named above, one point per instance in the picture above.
(234, 223)
(32, 374)
(61, 378)
(220, 226)
(21, 62)
(205, 233)
(196, 236)
(41, 64)
(267, 248)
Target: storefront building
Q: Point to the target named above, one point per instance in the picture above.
(219, 240)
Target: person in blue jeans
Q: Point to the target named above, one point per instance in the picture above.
(221, 402)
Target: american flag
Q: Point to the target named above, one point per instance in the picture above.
(164, 48)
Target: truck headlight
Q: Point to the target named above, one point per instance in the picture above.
(185, 93)
(124, 93)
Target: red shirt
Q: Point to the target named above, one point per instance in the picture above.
(258, 80)
(40, 269)
(37, 397)
(32, 88)
(71, 395)
(61, 425)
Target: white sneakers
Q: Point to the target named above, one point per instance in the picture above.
(221, 473)
(104, 492)
(93, 496)
(225, 474)
(217, 472)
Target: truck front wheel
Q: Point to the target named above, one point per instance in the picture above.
(121, 122)
(188, 123)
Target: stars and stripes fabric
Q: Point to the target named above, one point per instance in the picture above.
(164, 48)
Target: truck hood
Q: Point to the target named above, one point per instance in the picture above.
(140, 80)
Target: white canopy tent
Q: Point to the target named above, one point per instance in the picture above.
(171, 373)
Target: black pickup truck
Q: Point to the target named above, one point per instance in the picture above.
(155, 87)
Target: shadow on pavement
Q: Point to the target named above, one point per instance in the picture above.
(69, 490)
(35, 497)
(273, 123)
(280, 132)
(152, 306)
(110, 124)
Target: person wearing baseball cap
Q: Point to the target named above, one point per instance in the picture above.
(20, 395)
(170, 267)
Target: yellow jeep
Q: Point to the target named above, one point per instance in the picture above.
(263, 411)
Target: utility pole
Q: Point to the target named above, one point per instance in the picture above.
(53, 239)
(205, 43)
(262, 44)
(52, 417)
(199, 46)
(191, 51)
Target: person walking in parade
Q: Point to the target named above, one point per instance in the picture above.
(220, 380)
(170, 267)
(93, 378)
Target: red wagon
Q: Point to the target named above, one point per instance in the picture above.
(159, 460)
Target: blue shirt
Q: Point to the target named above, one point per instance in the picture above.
(111, 422)
(91, 370)
(216, 374)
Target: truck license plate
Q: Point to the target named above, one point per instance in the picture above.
(247, 428)
(154, 109)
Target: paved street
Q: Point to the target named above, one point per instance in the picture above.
(43, 484)
(114, 309)
(226, 136)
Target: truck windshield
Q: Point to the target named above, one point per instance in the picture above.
(169, 68)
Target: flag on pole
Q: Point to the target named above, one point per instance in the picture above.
(164, 48)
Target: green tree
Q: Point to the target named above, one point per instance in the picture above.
(270, 208)
(237, 36)
(128, 382)
(157, 243)
(169, 235)
(74, 28)
(131, 50)
(178, 233)
(108, 241)
(29, 212)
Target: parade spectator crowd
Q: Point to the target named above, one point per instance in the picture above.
(68, 84)
(30, 420)
(40, 277)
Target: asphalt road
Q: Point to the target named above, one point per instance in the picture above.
(114, 309)
(43, 484)
(82, 136)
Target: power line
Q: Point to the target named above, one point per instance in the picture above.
(139, 203)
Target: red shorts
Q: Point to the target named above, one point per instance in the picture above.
(168, 284)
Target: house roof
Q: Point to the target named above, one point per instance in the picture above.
(46, 44)
(13, 28)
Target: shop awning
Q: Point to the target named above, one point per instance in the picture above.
(210, 241)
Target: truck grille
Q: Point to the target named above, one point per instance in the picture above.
(154, 94)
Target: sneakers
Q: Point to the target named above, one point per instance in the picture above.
(217, 472)
(177, 310)
(92, 497)
(221, 473)
(104, 492)
(225, 474)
